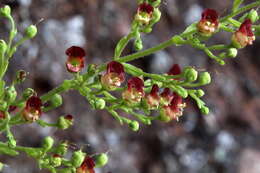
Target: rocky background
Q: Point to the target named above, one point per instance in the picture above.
(225, 141)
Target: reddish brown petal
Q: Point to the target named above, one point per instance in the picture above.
(145, 7)
(118, 68)
(246, 28)
(136, 83)
(75, 51)
(175, 70)
(210, 15)
(155, 90)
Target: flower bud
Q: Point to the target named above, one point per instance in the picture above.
(55, 100)
(62, 148)
(77, 158)
(10, 94)
(200, 93)
(20, 76)
(31, 31)
(28, 92)
(3, 47)
(5, 11)
(47, 143)
(138, 44)
(100, 103)
(204, 110)
(75, 61)
(55, 160)
(134, 125)
(100, 160)
(65, 122)
(232, 52)
(190, 74)
(253, 16)
(209, 23)
(204, 78)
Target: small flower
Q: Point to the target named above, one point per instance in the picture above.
(114, 76)
(152, 99)
(175, 70)
(75, 61)
(32, 110)
(174, 110)
(244, 36)
(208, 23)
(144, 13)
(135, 90)
(87, 166)
(166, 97)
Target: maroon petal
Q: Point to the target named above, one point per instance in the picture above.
(75, 51)
(246, 28)
(210, 15)
(145, 7)
(175, 70)
(136, 83)
(118, 68)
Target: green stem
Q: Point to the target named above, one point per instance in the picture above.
(122, 44)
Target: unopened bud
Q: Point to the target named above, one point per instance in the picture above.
(10, 94)
(28, 92)
(204, 110)
(204, 78)
(20, 76)
(65, 122)
(47, 143)
(5, 11)
(77, 158)
(134, 125)
(190, 74)
(31, 31)
(232, 52)
(100, 103)
(100, 160)
(253, 16)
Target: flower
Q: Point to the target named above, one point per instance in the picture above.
(152, 99)
(208, 23)
(174, 110)
(175, 70)
(244, 36)
(135, 90)
(32, 110)
(114, 76)
(75, 61)
(166, 97)
(87, 166)
(144, 13)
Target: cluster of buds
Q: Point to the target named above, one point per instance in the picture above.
(244, 35)
(208, 23)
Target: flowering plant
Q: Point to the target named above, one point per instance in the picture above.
(145, 96)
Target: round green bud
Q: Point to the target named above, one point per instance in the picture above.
(147, 29)
(253, 15)
(31, 31)
(77, 158)
(10, 94)
(138, 44)
(190, 74)
(204, 78)
(232, 52)
(200, 93)
(1, 166)
(47, 143)
(5, 11)
(100, 103)
(65, 122)
(56, 100)
(100, 160)
(55, 160)
(3, 46)
(134, 125)
(28, 92)
(204, 110)
(221, 62)
(162, 117)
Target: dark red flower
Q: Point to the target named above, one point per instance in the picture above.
(244, 36)
(174, 110)
(75, 61)
(32, 110)
(144, 13)
(175, 70)
(153, 99)
(135, 90)
(166, 97)
(208, 23)
(87, 166)
(114, 76)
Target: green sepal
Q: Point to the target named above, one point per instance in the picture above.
(5, 11)
(77, 158)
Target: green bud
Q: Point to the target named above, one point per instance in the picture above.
(28, 92)
(232, 52)
(204, 110)
(65, 122)
(180, 91)
(10, 94)
(55, 160)
(77, 158)
(100, 160)
(200, 93)
(147, 29)
(47, 143)
(1, 166)
(3, 47)
(62, 148)
(190, 74)
(221, 62)
(5, 11)
(162, 117)
(31, 31)
(3, 105)
(253, 15)
(56, 100)
(134, 125)
(20, 76)
(92, 68)
(138, 44)
(100, 103)
(204, 78)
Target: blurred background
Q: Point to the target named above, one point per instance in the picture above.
(225, 141)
